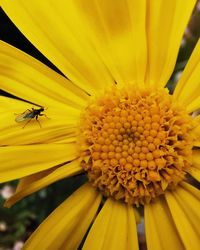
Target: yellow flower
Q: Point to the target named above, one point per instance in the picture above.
(111, 118)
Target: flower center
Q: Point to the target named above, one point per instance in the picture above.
(135, 144)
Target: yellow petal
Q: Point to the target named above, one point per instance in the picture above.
(114, 228)
(67, 225)
(29, 79)
(67, 139)
(160, 230)
(190, 203)
(49, 132)
(133, 218)
(19, 161)
(194, 191)
(166, 22)
(196, 143)
(196, 158)
(188, 87)
(35, 182)
(194, 172)
(63, 42)
(118, 32)
(56, 124)
(11, 103)
(196, 131)
(194, 104)
(183, 220)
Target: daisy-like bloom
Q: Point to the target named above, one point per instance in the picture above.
(112, 118)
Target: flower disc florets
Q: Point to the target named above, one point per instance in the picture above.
(135, 144)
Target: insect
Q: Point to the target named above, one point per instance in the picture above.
(30, 114)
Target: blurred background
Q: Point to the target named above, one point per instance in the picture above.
(18, 222)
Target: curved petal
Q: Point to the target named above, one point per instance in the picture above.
(29, 79)
(66, 226)
(196, 158)
(160, 229)
(196, 131)
(63, 42)
(189, 199)
(183, 218)
(19, 161)
(114, 228)
(196, 143)
(56, 124)
(193, 105)
(30, 132)
(194, 191)
(188, 87)
(166, 22)
(7, 104)
(117, 31)
(35, 182)
(194, 172)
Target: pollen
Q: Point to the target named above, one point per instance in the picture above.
(135, 144)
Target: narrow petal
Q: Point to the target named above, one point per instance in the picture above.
(63, 43)
(118, 33)
(66, 140)
(35, 182)
(196, 131)
(10, 103)
(194, 104)
(194, 172)
(29, 79)
(49, 132)
(19, 161)
(183, 219)
(194, 191)
(57, 124)
(166, 22)
(189, 199)
(196, 158)
(133, 219)
(161, 233)
(67, 225)
(188, 88)
(197, 143)
(114, 228)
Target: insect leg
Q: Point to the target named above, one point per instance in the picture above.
(44, 115)
(26, 123)
(36, 117)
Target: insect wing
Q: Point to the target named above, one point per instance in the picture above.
(24, 116)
